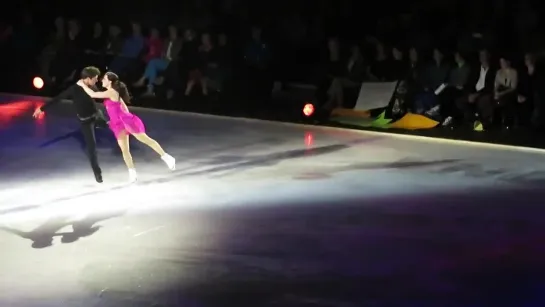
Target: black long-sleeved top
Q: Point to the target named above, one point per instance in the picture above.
(83, 103)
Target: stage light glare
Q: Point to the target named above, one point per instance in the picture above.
(309, 139)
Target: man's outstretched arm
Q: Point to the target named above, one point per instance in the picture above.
(66, 94)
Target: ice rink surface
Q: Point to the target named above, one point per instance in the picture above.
(264, 214)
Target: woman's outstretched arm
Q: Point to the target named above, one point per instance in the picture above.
(93, 94)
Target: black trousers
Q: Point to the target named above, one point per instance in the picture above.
(88, 131)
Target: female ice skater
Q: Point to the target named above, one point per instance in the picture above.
(123, 123)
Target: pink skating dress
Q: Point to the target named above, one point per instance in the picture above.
(122, 121)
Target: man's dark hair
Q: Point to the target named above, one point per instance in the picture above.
(90, 72)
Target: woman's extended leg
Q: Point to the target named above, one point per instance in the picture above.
(123, 141)
(144, 138)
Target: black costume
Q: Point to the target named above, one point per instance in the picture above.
(89, 117)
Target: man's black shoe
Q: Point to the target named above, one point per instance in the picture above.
(98, 178)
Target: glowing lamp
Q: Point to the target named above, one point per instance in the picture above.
(38, 83)
(308, 109)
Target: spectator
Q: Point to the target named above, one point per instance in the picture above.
(154, 46)
(6, 32)
(435, 76)
(190, 58)
(114, 42)
(381, 68)
(171, 49)
(410, 77)
(333, 65)
(68, 58)
(49, 53)
(210, 62)
(456, 87)
(60, 29)
(399, 65)
(25, 44)
(415, 64)
(330, 68)
(415, 76)
(482, 84)
(25, 37)
(97, 41)
(257, 55)
(225, 54)
(530, 92)
(504, 95)
(226, 61)
(207, 66)
(7, 55)
(351, 79)
(437, 73)
(131, 50)
(95, 46)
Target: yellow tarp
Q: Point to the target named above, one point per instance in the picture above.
(413, 122)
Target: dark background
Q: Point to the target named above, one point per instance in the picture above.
(297, 32)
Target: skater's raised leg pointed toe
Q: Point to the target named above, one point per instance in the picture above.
(170, 161)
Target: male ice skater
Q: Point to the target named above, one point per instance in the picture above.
(87, 112)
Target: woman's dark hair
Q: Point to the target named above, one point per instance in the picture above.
(119, 87)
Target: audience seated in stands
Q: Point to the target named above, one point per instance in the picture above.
(171, 49)
(350, 78)
(435, 76)
(422, 88)
(481, 87)
(504, 97)
(456, 86)
(131, 50)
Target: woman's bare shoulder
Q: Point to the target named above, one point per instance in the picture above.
(114, 95)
